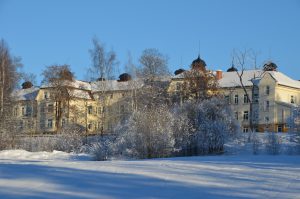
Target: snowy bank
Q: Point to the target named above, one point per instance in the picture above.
(58, 175)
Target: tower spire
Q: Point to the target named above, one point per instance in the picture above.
(199, 49)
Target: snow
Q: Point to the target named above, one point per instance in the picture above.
(114, 85)
(74, 84)
(61, 175)
(25, 94)
(81, 94)
(282, 79)
(231, 79)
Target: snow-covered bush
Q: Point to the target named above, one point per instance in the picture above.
(39, 143)
(255, 143)
(183, 132)
(103, 148)
(273, 144)
(6, 141)
(147, 134)
(70, 138)
(207, 126)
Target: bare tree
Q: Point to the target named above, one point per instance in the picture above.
(130, 67)
(58, 78)
(153, 64)
(8, 81)
(102, 71)
(244, 60)
(28, 77)
(103, 63)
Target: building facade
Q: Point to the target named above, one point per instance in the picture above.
(96, 106)
(264, 101)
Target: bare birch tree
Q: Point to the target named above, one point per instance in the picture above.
(8, 81)
(153, 64)
(102, 70)
(104, 63)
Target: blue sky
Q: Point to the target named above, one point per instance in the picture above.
(60, 31)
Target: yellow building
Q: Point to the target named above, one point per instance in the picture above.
(272, 97)
(96, 106)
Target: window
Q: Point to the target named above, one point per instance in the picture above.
(21, 124)
(236, 114)
(99, 110)
(178, 86)
(23, 111)
(227, 99)
(245, 129)
(46, 95)
(90, 109)
(279, 128)
(292, 99)
(90, 126)
(236, 99)
(50, 123)
(246, 99)
(28, 110)
(267, 90)
(267, 119)
(16, 111)
(111, 96)
(246, 115)
(122, 109)
(50, 108)
(267, 105)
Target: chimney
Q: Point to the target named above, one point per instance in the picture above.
(219, 74)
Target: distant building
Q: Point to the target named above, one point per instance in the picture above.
(274, 96)
(96, 106)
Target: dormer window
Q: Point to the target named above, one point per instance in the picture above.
(46, 95)
(267, 90)
(292, 99)
(178, 86)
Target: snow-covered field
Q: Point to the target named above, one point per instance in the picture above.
(61, 175)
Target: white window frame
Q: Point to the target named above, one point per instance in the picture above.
(50, 123)
(236, 99)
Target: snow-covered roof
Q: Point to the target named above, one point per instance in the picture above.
(282, 79)
(25, 94)
(74, 84)
(231, 79)
(82, 94)
(114, 85)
